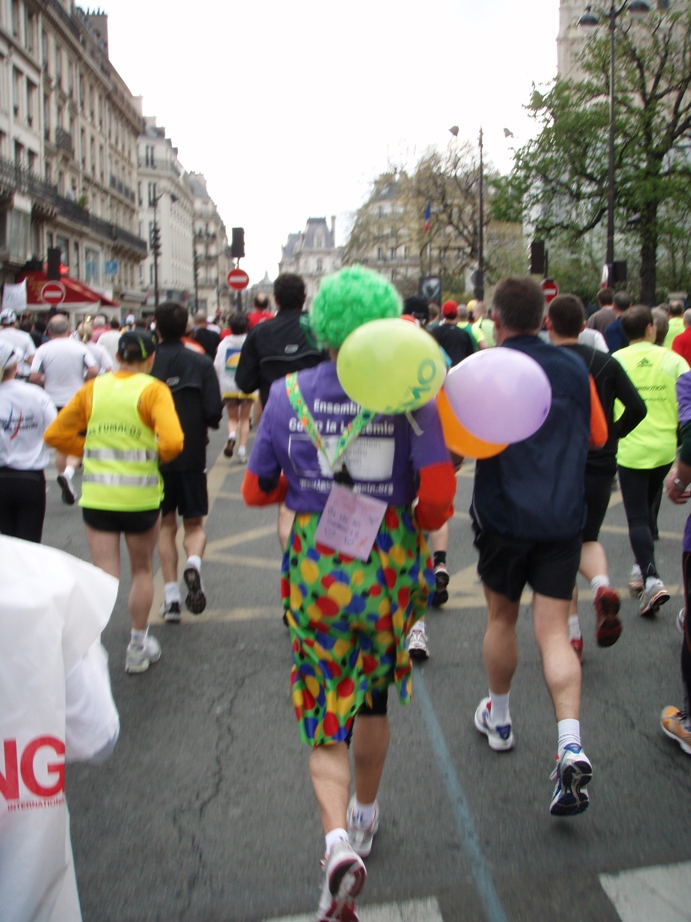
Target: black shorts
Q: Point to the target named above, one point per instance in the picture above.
(506, 565)
(185, 492)
(129, 523)
(598, 491)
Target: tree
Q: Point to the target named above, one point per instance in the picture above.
(388, 231)
(560, 177)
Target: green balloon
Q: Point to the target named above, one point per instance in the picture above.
(390, 366)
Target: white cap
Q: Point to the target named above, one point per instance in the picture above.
(8, 317)
(129, 320)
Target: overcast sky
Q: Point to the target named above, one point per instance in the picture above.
(291, 109)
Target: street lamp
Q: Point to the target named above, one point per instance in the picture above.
(156, 235)
(479, 274)
(590, 20)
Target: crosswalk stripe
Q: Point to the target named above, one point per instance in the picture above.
(426, 910)
(662, 893)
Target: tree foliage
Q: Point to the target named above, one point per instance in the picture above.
(560, 177)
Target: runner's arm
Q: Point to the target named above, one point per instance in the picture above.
(157, 411)
(66, 432)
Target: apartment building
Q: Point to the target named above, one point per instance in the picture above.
(211, 250)
(312, 254)
(68, 148)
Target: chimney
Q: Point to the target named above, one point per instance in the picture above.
(333, 229)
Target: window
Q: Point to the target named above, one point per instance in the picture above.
(16, 90)
(381, 211)
(92, 266)
(92, 152)
(76, 258)
(149, 155)
(46, 117)
(30, 30)
(380, 254)
(392, 253)
(15, 18)
(91, 104)
(319, 265)
(31, 94)
(44, 49)
(152, 193)
(58, 65)
(81, 91)
(101, 162)
(139, 200)
(63, 244)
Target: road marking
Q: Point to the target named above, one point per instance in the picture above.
(662, 893)
(494, 910)
(409, 911)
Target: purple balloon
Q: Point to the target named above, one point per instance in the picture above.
(500, 395)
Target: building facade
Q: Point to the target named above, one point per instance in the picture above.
(312, 254)
(211, 250)
(68, 147)
(165, 198)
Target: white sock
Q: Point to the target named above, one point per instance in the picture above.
(336, 835)
(598, 582)
(363, 814)
(138, 637)
(231, 435)
(500, 709)
(195, 562)
(569, 731)
(172, 593)
(69, 472)
(574, 628)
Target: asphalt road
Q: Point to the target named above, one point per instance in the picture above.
(205, 812)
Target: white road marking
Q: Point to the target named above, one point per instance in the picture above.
(411, 911)
(661, 893)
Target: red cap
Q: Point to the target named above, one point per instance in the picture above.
(449, 309)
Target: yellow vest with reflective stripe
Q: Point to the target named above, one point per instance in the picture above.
(120, 453)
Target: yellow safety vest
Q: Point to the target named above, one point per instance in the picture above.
(120, 453)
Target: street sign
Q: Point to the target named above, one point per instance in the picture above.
(550, 289)
(53, 293)
(238, 279)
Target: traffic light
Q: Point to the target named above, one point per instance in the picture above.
(54, 260)
(538, 258)
(237, 246)
(155, 242)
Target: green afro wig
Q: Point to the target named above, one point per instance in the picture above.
(348, 299)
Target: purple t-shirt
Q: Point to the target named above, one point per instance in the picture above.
(383, 460)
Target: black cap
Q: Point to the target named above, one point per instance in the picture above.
(146, 342)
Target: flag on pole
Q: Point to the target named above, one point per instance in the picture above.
(428, 215)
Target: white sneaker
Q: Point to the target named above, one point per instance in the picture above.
(170, 612)
(417, 642)
(344, 878)
(654, 595)
(242, 455)
(361, 836)
(69, 497)
(636, 581)
(139, 658)
(499, 736)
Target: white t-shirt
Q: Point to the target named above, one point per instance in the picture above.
(26, 411)
(109, 341)
(22, 340)
(101, 355)
(226, 363)
(53, 608)
(63, 361)
(594, 339)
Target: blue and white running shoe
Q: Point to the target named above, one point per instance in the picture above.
(499, 738)
(572, 773)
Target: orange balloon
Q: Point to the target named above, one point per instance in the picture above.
(457, 437)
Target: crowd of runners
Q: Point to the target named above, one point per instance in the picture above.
(136, 419)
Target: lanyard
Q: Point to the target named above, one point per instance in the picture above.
(353, 430)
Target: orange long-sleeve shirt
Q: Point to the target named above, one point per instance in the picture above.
(155, 408)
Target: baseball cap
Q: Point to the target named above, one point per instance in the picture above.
(449, 309)
(9, 355)
(141, 338)
(8, 316)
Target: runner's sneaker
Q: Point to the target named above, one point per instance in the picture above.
(360, 837)
(681, 620)
(230, 445)
(196, 600)
(608, 629)
(242, 455)
(344, 878)
(170, 612)
(499, 738)
(652, 598)
(69, 497)
(636, 582)
(675, 726)
(440, 596)
(572, 773)
(139, 658)
(417, 642)
(577, 644)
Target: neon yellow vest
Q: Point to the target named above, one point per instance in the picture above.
(120, 452)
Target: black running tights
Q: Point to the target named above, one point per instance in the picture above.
(639, 491)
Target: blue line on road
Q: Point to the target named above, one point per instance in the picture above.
(469, 839)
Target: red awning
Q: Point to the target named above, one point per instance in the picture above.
(67, 293)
